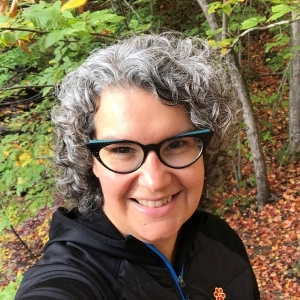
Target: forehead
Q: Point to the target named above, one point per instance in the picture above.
(138, 115)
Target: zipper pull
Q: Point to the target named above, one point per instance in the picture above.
(184, 288)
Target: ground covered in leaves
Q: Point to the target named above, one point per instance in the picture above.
(271, 236)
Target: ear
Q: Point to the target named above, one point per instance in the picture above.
(96, 169)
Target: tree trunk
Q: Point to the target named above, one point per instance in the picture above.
(294, 97)
(213, 21)
(263, 187)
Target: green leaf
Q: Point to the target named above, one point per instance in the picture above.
(100, 27)
(252, 22)
(280, 8)
(46, 90)
(277, 16)
(279, 11)
(50, 39)
(140, 1)
(69, 31)
(106, 17)
(5, 222)
(3, 19)
(79, 26)
(143, 27)
(45, 18)
(115, 19)
(227, 8)
(8, 38)
(133, 24)
(67, 14)
(8, 177)
(214, 6)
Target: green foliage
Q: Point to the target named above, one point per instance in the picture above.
(9, 292)
(244, 201)
(252, 22)
(56, 41)
(281, 51)
(283, 154)
(229, 201)
(37, 47)
(26, 178)
(280, 10)
(243, 16)
(267, 137)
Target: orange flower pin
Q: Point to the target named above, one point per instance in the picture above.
(219, 294)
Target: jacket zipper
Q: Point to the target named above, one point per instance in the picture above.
(179, 281)
(183, 286)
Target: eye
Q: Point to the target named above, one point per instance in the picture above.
(122, 150)
(177, 144)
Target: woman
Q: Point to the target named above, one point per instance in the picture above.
(142, 129)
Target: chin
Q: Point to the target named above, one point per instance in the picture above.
(155, 234)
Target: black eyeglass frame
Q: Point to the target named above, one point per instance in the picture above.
(96, 145)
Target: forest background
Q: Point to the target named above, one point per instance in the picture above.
(41, 40)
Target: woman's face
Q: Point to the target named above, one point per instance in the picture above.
(139, 116)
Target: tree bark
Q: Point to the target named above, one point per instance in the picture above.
(213, 21)
(294, 96)
(263, 186)
(262, 182)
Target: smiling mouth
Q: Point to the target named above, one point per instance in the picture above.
(153, 204)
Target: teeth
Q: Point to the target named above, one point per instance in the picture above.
(158, 203)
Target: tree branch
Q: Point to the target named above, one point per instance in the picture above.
(20, 101)
(212, 19)
(123, 13)
(44, 32)
(29, 201)
(23, 29)
(22, 242)
(262, 28)
(132, 9)
(25, 87)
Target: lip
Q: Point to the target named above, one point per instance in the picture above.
(156, 212)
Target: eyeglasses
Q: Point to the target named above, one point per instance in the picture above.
(125, 156)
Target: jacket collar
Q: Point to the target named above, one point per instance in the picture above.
(95, 232)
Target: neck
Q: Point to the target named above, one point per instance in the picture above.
(167, 248)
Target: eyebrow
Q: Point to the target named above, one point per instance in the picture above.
(109, 139)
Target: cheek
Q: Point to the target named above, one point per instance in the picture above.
(113, 185)
(195, 178)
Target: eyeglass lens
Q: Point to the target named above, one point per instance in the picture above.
(176, 153)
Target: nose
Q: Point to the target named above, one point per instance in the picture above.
(154, 175)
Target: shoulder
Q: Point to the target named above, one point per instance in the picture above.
(217, 230)
(65, 271)
(219, 253)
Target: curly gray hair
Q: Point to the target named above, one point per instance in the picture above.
(179, 71)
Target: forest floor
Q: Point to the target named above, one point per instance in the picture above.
(271, 236)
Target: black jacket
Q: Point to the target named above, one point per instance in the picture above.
(87, 258)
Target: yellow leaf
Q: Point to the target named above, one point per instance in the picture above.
(6, 153)
(224, 43)
(20, 180)
(16, 146)
(224, 51)
(73, 4)
(25, 158)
